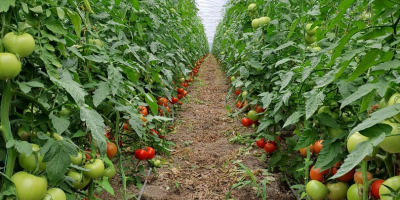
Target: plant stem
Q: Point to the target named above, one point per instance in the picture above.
(32, 99)
(121, 169)
(364, 167)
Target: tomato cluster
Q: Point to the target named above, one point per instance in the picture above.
(268, 146)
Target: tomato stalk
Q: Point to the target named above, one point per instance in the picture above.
(121, 169)
(6, 127)
(364, 166)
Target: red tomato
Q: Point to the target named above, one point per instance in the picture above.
(260, 143)
(180, 90)
(259, 109)
(246, 122)
(151, 153)
(345, 178)
(180, 102)
(126, 127)
(315, 174)
(269, 147)
(141, 154)
(375, 188)
(237, 92)
(279, 138)
(174, 100)
(180, 96)
(162, 101)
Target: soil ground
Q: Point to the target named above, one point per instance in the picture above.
(204, 163)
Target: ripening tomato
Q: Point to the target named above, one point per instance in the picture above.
(337, 191)
(260, 143)
(185, 93)
(315, 174)
(269, 147)
(143, 110)
(358, 177)
(23, 44)
(303, 151)
(375, 188)
(318, 146)
(162, 102)
(246, 122)
(259, 109)
(141, 154)
(180, 102)
(111, 150)
(150, 153)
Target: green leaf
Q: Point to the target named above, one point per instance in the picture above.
(362, 150)
(5, 5)
(115, 78)
(377, 117)
(95, 124)
(342, 43)
(389, 65)
(101, 93)
(283, 46)
(308, 137)
(106, 185)
(293, 28)
(361, 91)
(329, 155)
(76, 21)
(37, 9)
(294, 118)
(152, 102)
(365, 64)
(98, 58)
(264, 124)
(60, 124)
(314, 100)
(286, 78)
(58, 159)
(366, 101)
(135, 4)
(20, 146)
(377, 130)
(327, 120)
(54, 26)
(73, 88)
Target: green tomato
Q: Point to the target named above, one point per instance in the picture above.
(233, 78)
(357, 59)
(96, 42)
(29, 163)
(182, 80)
(79, 159)
(255, 23)
(395, 98)
(337, 191)
(326, 109)
(81, 181)
(394, 183)
(382, 104)
(157, 163)
(55, 194)
(23, 44)
(310, 31)
(10, 66)
(356, 139)
(391, 144)
(252, 114)
(64, 112)
(109, 172)
(264, 20)
(310, 39)
(316, 190)
(252, 7)
(334, 132)
(29, 187)
(245, 93)
(354, 191)
(96, 167)
(23, 134)
(317, 48)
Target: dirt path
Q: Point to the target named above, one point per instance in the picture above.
(202, 166)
